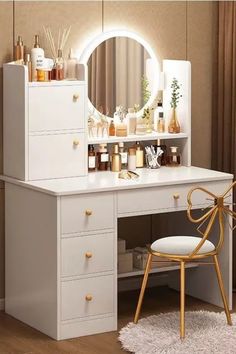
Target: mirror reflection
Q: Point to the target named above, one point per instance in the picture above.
(119, 74)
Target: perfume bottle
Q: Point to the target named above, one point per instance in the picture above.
(163, 157)
(112, 128)
(139, 155)
(124, 155)
(161, 123)
(158, 110)
(131, 121)
(103, 158)
(116, 159)
(173, 159)
(91, 158)
(70, 65)
(19, 49)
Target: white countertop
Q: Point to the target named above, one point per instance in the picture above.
(109, 181)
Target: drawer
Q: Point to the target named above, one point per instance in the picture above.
(57, 156)
(56, 108)
(87, 297)
(88, 254)
(149, 200)
(87, 212)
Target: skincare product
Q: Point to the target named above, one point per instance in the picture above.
(19, 49)
(59, 66)
(164, 149)
(173, 159)
(121, 127)
(157, 111)
(91, 158)
(37, 58)
(70, 65)
(124, 156)
(28, 63)
(112, 128)
(43, 75)
(140, 127)
(139, 155)
(116, 159)
(131, 121)
(132, 159)
(161, 123)
(103, 158)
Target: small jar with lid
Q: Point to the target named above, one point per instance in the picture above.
(173, 159)
(132, 159)
(103, 158)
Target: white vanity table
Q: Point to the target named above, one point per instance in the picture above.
(61, 233)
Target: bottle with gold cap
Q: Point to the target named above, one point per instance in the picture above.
(139, 154)
(19, 50)
(116, 159)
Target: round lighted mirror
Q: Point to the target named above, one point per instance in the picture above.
(122, 71)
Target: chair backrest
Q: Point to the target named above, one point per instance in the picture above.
(216, 211)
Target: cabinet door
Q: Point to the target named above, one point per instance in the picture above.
(56, 108)
(57, 156)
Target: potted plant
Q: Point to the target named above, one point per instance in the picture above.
(174, 126)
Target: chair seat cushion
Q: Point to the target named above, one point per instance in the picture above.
(181, 245)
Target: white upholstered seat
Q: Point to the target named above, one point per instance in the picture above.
(181, 245)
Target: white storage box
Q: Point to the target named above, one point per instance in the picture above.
(121, 245)
(125, 262)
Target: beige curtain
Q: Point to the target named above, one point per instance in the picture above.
(224, 95)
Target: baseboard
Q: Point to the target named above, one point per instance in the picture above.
(2, 304)
(134, 283)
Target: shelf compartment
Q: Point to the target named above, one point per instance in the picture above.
(160, 269)
(130, 138)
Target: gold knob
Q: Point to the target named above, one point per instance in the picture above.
(88, 297)
(76, 142)
(75, 97)
(88, 212)
(176, 196)
(88, 255)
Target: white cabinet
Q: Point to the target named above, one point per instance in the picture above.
(45, 127)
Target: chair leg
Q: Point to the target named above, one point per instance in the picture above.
(182, 299)
(144, 283)
(222, 290)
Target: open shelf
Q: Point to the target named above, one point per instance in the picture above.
(159, 269)
(143, 137)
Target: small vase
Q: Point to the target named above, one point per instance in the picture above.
(174, 126)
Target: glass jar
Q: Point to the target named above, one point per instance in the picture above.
(173, 159)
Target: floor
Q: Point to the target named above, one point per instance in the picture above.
(17, 338)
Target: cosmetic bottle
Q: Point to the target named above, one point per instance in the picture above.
(132, 159)
(112, 128)
(37, 58)
(60, 66)
(173, 159)
(91, 158)
(116, 159)
(158, 110)
(131, 121)
(103, 158)
(163, 158)
(124, 155)
(140, 127)
(19, 50)
(28, 63)
(70, 66)
(139, 154)
(161, 123)
(121, 127)
(116, 116)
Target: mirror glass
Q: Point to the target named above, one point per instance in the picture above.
(120, 73)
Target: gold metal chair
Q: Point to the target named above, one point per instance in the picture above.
(184, 249)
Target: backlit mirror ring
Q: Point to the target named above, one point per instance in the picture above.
(123, 33)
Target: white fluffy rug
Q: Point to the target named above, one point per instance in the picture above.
(206, 333)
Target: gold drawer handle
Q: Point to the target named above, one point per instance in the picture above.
(75, 97)
(88, 255)
(88, 212)
(176, 196)
(88, 297)
(76, 142)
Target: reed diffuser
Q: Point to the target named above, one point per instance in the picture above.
(57, 51)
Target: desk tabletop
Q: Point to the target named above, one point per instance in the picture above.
(109, 181)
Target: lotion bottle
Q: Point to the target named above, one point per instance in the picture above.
(37, 58)
(116, 159)
(19, 50)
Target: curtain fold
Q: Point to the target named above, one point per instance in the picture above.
(224, 97)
